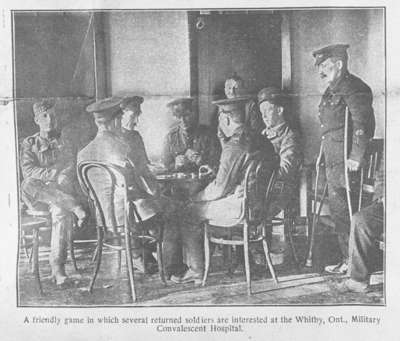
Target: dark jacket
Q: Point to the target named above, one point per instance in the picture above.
(349, 91)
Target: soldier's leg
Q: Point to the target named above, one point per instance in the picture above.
(62, 221)
(367, 227)
(338, 207)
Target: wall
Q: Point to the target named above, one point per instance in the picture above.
(148, 55)
(310, 30)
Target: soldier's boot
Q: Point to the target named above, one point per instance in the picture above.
(61, 223)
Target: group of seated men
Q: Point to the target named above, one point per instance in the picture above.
(49, 169)
(248, 129)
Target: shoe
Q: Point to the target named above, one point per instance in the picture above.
(354, 286)
(58, 275)
(339, 269)
(188, 277)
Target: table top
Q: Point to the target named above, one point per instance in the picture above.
(178, 177)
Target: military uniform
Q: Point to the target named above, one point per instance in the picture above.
(201, 140)
(222, 199)
(133, 137)
(253, 116)
(351, 92)
(366, 229)
(129, 155)
(48, 172)
(286, 144)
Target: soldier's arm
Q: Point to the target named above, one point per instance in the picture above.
(168, 157)
(290, 156)
(31, 168)
(212, 152)
(361, 114)
(228, 173)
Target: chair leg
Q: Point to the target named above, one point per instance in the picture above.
(35, 252)
(288, 227)
(71, 249)
(129, 263)
(159, 255)
(97, 256)
(207, 256)
(247, 261)
(270, 266)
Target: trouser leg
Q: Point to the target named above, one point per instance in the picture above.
(61, 224)
(192, 238)
(367, 227)
(35, 191)
(338, 206)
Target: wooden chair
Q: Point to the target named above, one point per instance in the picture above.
(122, 234)
(32, 224)
(373, 156)
(252, 217)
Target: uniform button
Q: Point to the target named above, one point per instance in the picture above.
(322, 125)
(323, 137)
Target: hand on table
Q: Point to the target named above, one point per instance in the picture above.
(180, 161)
(193, 156)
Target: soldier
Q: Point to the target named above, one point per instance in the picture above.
(48, 171)
(366, 229)
(222, 199)
(234, 87)
(344, 90)
(109, 146)
(286, 142)
(189, 145)
(131, 111)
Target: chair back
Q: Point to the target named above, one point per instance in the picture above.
(373, 157)
(259, 182)
(100, 181)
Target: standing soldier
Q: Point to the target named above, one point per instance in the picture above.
(344, 90)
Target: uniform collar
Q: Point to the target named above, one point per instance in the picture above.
(44, 144)
(273, 132)
(339, 81)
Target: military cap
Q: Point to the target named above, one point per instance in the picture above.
(337, 50)
(131, 102)
(232, 103)
(43, 106)
(180, 105)
(105, 108)
(273, 95)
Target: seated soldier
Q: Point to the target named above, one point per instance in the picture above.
(189, 145)
(48, 171)
(131, 110)
(222, 199)
(366, 230)
(286, 142)
(110, 147)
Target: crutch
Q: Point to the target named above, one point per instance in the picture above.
(316, 212)
(346, 173)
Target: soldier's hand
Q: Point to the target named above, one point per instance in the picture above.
(352, 165)
(180, 161)
(193, 156)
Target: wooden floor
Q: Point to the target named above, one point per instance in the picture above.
(297, 286)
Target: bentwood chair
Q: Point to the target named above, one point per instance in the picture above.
(33, 222)
(122, 234)
(373, 156)
(258, 183)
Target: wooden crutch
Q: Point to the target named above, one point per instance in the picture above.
(346, 173)
(316, 212)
